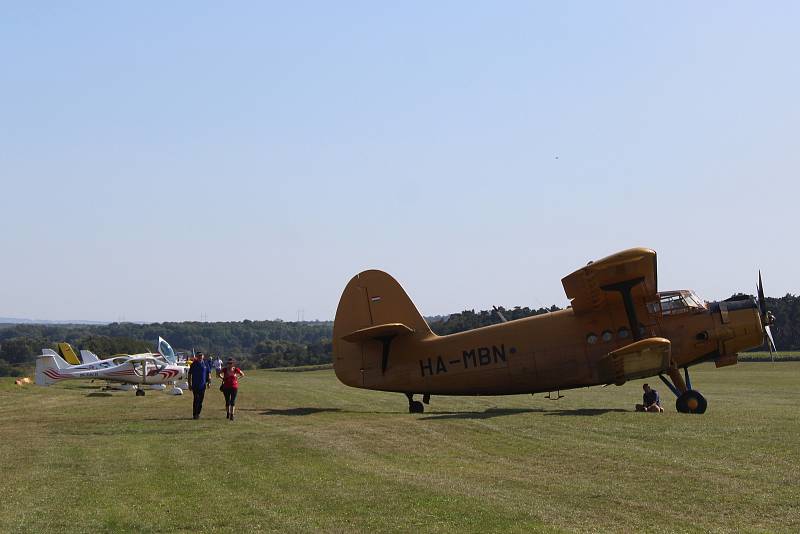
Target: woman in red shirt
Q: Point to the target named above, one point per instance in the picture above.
(230, 386)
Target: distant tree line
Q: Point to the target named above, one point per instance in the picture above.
(470, 319)
(786, 330)
(269, 344)
(252, 343)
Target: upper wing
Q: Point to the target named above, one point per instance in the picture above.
(637, 266)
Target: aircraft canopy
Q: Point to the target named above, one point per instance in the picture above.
(675, 303)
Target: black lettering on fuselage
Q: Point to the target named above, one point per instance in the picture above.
(440, 366)
(428, 366)
(477, 357)
(467, 356)
(483, 356)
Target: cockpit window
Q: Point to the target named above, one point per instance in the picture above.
(675, 302)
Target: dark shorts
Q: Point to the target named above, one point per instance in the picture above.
(230, 396)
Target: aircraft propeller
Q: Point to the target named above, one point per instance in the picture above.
(766, 318)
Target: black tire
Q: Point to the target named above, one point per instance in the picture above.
(140, 393)
(416, 407)
(691, 402)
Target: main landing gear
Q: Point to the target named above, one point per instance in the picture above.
(139, 392)
(417, 406)
(689, 400)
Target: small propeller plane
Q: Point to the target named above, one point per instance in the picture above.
(152, 369)
(135, 370)
(618, 327)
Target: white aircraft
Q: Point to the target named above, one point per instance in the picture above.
(89, 358)
(135, 370)
(152, 369)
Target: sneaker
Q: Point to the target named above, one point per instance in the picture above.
(231, 417)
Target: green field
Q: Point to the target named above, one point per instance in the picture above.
(765, 356)
(309, 454)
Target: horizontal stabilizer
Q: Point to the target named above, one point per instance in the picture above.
(378, 332)
(647, 357)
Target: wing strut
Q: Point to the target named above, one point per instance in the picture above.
(624, 289)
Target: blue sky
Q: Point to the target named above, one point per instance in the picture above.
(163, 160)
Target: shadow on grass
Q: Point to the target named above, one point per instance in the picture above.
(586, 411)
(499, 412)
(99, 394)
(486, 414)
(298, 411)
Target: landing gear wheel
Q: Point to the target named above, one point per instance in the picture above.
(691, 402)
(416, 407)
(140, 393)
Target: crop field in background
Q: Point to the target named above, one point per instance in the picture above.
(309, 454)
(765, 356)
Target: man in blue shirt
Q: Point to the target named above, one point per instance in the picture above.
(651, 402)
(199, 381)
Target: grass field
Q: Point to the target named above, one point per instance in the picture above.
(308, 454)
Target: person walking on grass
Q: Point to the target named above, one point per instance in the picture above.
(230, 375)
(199, 381)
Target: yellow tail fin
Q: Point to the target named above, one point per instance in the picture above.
(68, 353)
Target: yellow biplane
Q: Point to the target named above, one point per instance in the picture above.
(618, 327)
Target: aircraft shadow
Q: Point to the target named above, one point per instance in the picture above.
(298, 411)
(586, 411)
(486, 414)
(99, 394)
(498, 412)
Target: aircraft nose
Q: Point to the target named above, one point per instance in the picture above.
(734, 304)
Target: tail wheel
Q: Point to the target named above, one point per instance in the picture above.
(140, 393)
(416, 407)
(691, 402)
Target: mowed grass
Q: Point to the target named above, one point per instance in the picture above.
(309, 454)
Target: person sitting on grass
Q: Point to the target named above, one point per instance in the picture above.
(651, 402)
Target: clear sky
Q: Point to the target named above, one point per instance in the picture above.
(161, 160)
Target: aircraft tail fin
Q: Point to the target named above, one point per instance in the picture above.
(88, 356)
(66, 351)
(58, 361)
(48, 368)
(373, 308)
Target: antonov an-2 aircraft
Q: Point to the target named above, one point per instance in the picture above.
(619, 327)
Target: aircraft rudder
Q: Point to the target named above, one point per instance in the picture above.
(371, 299)
(66, 351)
(47, 369)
